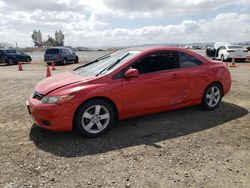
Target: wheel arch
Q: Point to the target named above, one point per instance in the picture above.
(111, 102)
(216, 82)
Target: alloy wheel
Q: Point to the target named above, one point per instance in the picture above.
(95, 119)
(213, 96)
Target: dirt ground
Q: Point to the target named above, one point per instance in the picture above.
(183, 148)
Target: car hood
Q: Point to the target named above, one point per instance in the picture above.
(60, 80)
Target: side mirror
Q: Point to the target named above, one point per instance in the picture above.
(131, 73)
(74, 53)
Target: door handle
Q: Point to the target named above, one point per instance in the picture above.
(175, 76)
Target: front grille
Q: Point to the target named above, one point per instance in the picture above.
(37, 96)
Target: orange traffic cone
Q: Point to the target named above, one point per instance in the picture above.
(20, 68)
(233, 64)
(48, 72)
(53, 66)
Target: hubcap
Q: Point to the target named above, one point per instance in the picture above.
(213, 96)
(95, 119)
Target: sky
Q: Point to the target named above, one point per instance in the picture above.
(97, 23)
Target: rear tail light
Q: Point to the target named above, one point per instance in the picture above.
(230, 51)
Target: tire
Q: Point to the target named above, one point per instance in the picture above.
(10, 62)
(28, 59)
(64, 62)
(88, 118)
(212, 96)
(76, 60)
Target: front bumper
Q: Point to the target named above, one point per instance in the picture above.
(51, 116)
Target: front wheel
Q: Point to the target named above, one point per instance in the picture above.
(212, 97)
(28, 59)
(94, 118)
(10, 62)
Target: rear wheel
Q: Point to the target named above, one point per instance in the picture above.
(10, 62)
(64, 61)
(94, 118)
(76, 60)
(212, 96)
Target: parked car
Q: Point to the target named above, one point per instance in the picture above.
(125, 84)
(225, 52)
(60, 55)
(12, 56)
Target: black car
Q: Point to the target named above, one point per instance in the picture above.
(60, 55)
(12, 56)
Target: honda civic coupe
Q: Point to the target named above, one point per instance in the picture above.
(125, 84)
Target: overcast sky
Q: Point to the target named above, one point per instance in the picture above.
(126, 22)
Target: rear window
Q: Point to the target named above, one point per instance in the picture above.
(52, 51)
(235, 47)
(187, 60)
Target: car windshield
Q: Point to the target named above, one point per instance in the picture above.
(52, 51)
(106, 63)
(235, 47)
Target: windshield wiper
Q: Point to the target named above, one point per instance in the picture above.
(113, 64)
(98, 59)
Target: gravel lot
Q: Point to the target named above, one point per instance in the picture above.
(184, 148)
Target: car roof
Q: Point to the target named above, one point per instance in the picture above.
(60, 47)
(219, 44)
(158, 48)
(8, 49)
(152, 49)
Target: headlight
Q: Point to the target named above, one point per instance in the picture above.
(56, 99)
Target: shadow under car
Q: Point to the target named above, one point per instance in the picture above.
(146, 130)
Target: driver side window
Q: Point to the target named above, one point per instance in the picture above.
(157, 62)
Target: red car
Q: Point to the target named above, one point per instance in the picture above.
(125, 84)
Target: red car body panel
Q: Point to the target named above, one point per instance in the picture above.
(146, 94)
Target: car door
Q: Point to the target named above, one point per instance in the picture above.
(158, 84)
(192, 77)
(66, 54)
(72, 55)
